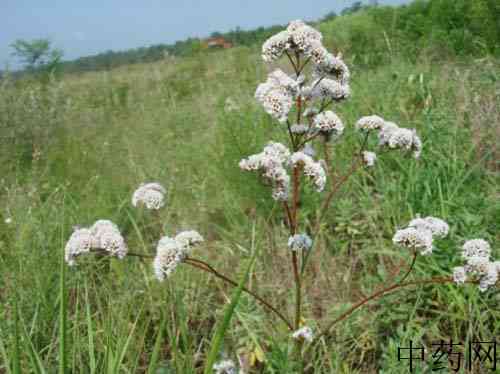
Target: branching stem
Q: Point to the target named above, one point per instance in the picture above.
(202, 265)
(208, 268)
(396, 286)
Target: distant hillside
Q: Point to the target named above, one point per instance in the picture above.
(458, 27)
(436, 27)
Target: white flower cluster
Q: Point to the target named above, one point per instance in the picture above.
(304, 333)
(274, 159)
(308, 150)
(477, 254)
(391, 135)
(225, 367)
(330, 73)
(299, 242)
(312, 169)
(436, 226)
(151, 195)
(170, 252)
(271, 161)
(299, 129)
(327, 88)
(420, 233)
(369, 123)
(298, 37)
(369, 158)
(400, 138)
(334, 68)
(328, 123)
(276, 94)
(103, 235)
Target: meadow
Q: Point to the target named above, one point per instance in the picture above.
(75, 148)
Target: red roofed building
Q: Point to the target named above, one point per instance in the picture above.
(217, 42)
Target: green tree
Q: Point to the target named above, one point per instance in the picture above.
(37, 53)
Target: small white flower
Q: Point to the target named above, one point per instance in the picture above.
(304, 38)
(459, 275)
(476, 248)
(107, 236)
(489, 278)
(369, 158)
(386, 131)
(276, 95)
(397, 137)
(169, 254)
(189, 238)
(271, 162)
(334, 67)
(299, 242)
(299, 129)
(416, 146)
(304, 333)
(79, 243)
(369, 123)
(329, 123)
(327, 88)
(8, 220)
(225, 367)
(401, 138)
(104, 235)
(312, 169)
(437, 226)
(274, 47)
(414, 239)
(477, 265)
(294, 25)
(309, 150)
(151, 195)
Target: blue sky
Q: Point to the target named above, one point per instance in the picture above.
(87, 27)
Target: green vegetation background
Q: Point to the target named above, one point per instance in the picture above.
(74, 148)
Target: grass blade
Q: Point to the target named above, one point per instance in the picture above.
(36, 361)
(228, 314)
(17, 352)
(62, 318)
(90, 332)
(153, 363)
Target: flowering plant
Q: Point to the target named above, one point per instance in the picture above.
(300, 102)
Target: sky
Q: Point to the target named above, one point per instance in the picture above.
(87, 27)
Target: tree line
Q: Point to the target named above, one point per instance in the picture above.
(461, 26)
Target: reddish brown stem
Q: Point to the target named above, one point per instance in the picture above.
(298, 296)
(291, 61)
(208, 268)
(326, 203)
(289, 216)
(380, 293)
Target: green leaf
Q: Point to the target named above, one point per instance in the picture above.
(153, 363)
(62, 317)
(224, 324)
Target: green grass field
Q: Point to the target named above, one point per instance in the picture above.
(74, 150)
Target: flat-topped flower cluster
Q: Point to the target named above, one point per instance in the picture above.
(329, 80)
(170, 252)
(478, 264)
(104, 237)
(390, 135)
(420, 234)
(273, 162)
